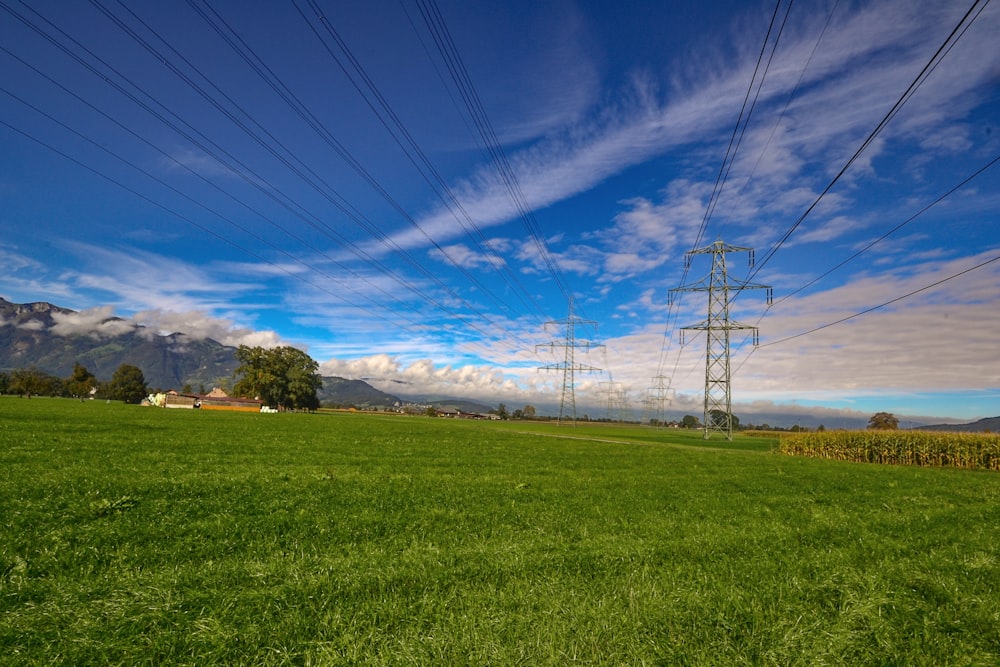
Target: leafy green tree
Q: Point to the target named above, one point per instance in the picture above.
(4, 383)
(529, 412)
(883, 421)
(718, 418)
(279, 376)
(81, 381)
(127, 384)
(502, 411)
(690, 421)
(28, 382)
(53, 386)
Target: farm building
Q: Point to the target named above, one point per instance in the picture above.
(217, 399)
(174, 400)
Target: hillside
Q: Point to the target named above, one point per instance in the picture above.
(337, 391)
(991, 424)
(52, 339)
(40, 335)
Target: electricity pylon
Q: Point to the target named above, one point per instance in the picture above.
(618, 405)
(625, 414)
(611, 388)
(718, 396)
(657, 396)
(568, 366)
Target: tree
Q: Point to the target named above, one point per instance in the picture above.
(718, 419)
(883, 421)
(127, 384)
(27, 382)
(81, 381)
(690, 421)
(502, 411)
(529, 412)
(279, 376)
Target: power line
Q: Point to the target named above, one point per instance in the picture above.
(727, 161)
(869, 246)
(883, 305)
(254, 179)
(193, 172)
(658, 396)
(793, 93)
(957, 33)
(731, 151)
(922, 76)
(857, 254)
(415, 325)
(391, 122)
(892, 231)
(453, 60)
(287, 156)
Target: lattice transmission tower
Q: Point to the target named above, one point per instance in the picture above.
(613, 391)
(569, 367)
(718, 416)
(619, 409)
(658, 396)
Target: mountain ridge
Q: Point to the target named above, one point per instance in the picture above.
(30, 335)
(987, 424)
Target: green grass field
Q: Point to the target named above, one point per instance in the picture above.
(139, 536)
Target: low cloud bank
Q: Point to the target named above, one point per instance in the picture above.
(101, 322)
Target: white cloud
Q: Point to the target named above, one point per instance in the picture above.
(32, 325)
(13, 261)
(863, 57)
(99, 322)
(198, 162)
(462, 256)
(199, 325)
(425, 377)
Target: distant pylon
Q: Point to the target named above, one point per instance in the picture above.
(625, 414)
(657, 397)
(614, 392)
(718, 416)
(619, 409)
(568, 366)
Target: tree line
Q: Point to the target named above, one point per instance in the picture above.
(126, 384)
(281, 377)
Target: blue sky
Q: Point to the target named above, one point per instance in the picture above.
(412, 191)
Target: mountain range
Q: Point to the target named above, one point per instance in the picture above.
(51, 339)
(45, 336)
(989, 424)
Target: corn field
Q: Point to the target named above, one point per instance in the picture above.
(918, 448)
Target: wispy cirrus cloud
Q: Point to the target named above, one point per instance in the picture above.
(851, 82)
